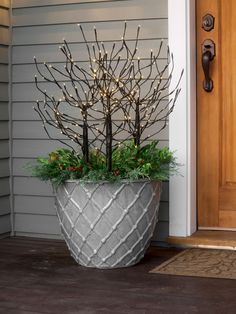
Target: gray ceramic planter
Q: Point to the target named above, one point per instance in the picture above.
(108, 225)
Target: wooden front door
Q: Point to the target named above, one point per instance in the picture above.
(217, 118)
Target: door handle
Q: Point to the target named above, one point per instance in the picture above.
(208, 54)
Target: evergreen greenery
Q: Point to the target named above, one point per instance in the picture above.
(130, 162)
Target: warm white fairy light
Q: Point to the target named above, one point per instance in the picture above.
(110, 81)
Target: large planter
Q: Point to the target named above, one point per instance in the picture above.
(108, 225)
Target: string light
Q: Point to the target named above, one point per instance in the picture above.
(109, 82)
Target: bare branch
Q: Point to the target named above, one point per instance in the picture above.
(113, 97)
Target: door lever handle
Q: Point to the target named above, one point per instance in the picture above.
(208, 54)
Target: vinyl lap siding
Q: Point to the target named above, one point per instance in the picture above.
(5, 226)
(38, 29)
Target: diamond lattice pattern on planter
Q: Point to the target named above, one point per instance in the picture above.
(108, 225)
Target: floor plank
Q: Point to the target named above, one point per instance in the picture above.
(40, 277)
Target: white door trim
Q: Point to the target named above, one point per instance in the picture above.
(182, 126)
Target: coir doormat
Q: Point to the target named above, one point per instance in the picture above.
(200, 263)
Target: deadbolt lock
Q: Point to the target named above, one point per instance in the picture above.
(208, 22)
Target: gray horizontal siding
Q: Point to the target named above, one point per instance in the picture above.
(29, 223)
(38, 29)
(31, 186)
(4, 112)
(87, 12)
(3, 91)
(22, 111)
(4, 186)
(5, 226)
(24, 54)
(4, 167)
(25, 73)
(34, 148)
(4, 131)
(4, 205)
(3, 73)
(36, 35)
(34, 205)
(39, 235)
(4, 149)
(45, 3)
(34, 130)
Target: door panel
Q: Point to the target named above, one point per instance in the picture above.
(217, 119)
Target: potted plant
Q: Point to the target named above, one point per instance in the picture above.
(108, 179)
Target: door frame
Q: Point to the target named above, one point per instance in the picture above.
(182, 124)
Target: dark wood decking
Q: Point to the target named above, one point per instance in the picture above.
(39, 276)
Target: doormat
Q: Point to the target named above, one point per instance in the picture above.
(200, 263)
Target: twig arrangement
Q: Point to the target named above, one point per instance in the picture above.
(116, 95)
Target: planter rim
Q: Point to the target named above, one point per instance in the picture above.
(112, 182)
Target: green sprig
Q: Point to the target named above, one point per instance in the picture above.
(129, 161)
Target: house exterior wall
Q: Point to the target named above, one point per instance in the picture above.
(5, 226)
(38, 27)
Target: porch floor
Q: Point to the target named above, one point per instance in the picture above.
(39, 276)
